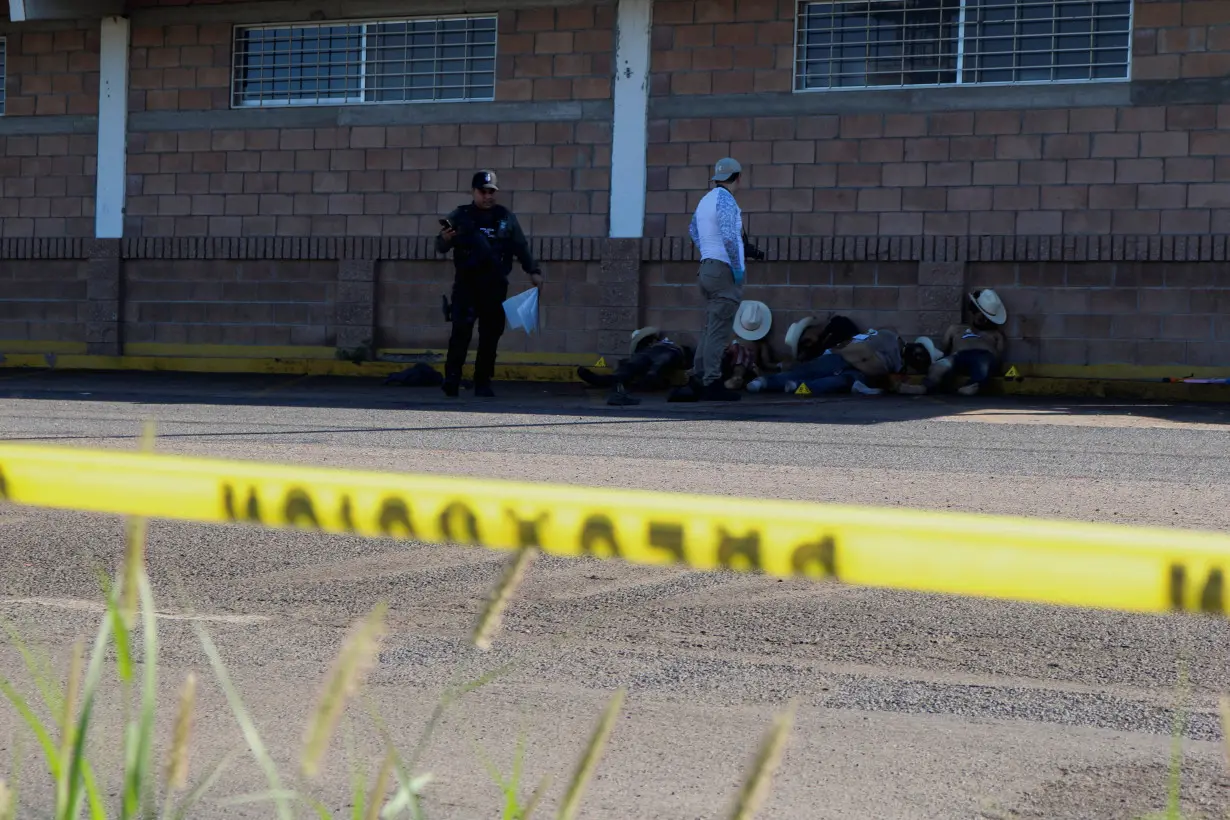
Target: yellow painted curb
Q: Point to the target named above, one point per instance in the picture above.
(59, 348)
(509, 371)
(392, 355)
(1119, 371)
(1111, 389)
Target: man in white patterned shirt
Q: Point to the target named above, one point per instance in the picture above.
(717, 233)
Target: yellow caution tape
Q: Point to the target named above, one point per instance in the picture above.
(1077, 564)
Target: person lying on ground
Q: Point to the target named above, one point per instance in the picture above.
(808, 339)
(751, 353)
(847, 368)
(973, 351)
(653, 362)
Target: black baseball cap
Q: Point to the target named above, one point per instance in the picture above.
(484, 179)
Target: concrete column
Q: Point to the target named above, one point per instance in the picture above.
(629, 128)
(355, 317)
(104, 294)
(619, 302)
(112, 128)
(941, 287)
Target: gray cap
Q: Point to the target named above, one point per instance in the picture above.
(725, 169)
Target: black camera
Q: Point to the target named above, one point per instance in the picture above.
(750, 251)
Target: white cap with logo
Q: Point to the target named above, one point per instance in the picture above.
(725, 169)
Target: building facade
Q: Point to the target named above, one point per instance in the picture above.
(271, 172)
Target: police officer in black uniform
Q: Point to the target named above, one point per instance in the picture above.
(484, 238)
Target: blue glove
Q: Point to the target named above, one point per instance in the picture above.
(738, 272)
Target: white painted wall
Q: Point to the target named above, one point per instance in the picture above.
(112, 129)
(629, 131)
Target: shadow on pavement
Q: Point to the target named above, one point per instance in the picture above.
(573, 403)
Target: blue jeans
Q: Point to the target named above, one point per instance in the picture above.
(974, 365)
(827, 374)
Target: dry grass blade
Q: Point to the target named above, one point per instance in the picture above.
(134, 568)
(73, 690)
(589, 760)
(349, 670)
(1224, 708)
(380, 788)
(68, 718)
(148, 431)
(756, 788)
(536, 797)
(177, 764)
(134, 555)
(493, 613)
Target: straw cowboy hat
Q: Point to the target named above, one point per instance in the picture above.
(638, 336)
(753, 321)
(795, 332)
(988, 302)
(932, 350)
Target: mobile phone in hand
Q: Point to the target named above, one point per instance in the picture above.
(448, 226)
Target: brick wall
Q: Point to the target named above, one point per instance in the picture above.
(562, 53)
(47, 180)
(180, 68)
(379, 180)
(48, 185)
(223, 301)
(1077, 313)
(1180, 39)
(43, 300)
(1143, 313)
(1140, 170)
(409, 315)
(722, 46)
(1155, 169)
(53, 71)
(874, 294)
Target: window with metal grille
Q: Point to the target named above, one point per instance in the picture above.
(898, 43)
(4, 71)
(388, 61)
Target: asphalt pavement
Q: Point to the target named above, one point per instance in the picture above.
(910, 705)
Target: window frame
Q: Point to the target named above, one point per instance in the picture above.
(344, 98)
(959, 67)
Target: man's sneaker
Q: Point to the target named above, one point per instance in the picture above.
(864, 390)
(595, 379)
(720, 392)
(756, 385)
(969, 389)
(484, 391)
(688, 392)
(450, 390)
(620, 399)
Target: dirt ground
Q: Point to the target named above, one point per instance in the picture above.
(909, 705)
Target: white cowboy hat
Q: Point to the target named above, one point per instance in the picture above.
(794, 334)
(753, 321)
(932, 350)
(638, 335)
(988, 302)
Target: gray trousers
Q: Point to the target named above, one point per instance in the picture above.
(722, 298)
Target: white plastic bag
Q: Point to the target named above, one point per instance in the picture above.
(522, 311)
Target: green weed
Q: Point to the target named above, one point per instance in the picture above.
(62, 717)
